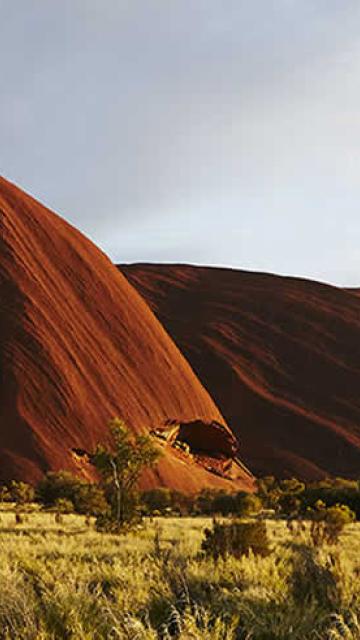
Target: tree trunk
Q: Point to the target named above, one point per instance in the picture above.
(119, 495)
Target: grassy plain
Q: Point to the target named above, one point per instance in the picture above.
(66, 581)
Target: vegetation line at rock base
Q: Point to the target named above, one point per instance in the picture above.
(81, 561)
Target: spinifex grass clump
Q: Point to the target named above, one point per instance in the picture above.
(236, 538)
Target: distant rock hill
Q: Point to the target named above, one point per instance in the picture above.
(79, 346)
(280, 357)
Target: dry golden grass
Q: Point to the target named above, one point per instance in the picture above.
(68, 581)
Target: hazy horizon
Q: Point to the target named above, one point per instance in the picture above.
(211, 133)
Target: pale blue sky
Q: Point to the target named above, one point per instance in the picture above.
(215, 132)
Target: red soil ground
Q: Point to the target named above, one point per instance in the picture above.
(79, 346)
(280, 357)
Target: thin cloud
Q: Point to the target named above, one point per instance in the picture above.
(218, 132)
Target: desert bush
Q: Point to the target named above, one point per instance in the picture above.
(248, 505)
(159, 500)
(90, 499)
(106, 523)
(224, 503)
(332, 491)
(236, 538)
(21, 492)
(293, 497)
(86, 498)
(63, 505)
(290, 505)
(292, 486)
(328, 522)
(57, 485)
(269, 492)
(5, 495)
(182, 504)
(215, 502)
(204, 503)
(313, 578)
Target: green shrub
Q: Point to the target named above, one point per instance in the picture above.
(236, 539)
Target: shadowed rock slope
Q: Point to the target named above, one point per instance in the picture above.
(280, 356)
(79, 346)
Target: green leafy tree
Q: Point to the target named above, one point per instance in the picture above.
(121, 467)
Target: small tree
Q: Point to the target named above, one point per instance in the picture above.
(121, 467)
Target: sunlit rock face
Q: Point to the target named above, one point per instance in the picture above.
(79, 346)
(280, 357)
